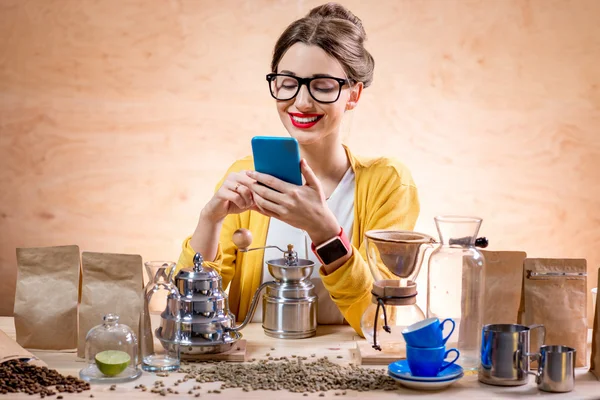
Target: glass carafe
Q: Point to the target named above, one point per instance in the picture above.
(456, 284)
(161, 299)
(393, 308)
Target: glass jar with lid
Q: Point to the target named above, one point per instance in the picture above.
(393, 308)
(111, 353)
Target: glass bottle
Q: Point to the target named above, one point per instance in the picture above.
(111, 353)
(456, 284)
(161, 299)
(393, 308)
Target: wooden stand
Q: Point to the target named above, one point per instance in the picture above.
(236, 354)
(367, 355)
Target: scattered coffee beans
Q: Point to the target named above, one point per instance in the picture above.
(293, 375)
(18, 376)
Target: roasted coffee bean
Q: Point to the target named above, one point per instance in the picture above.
(18, 376)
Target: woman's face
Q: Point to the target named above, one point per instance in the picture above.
(307, 120)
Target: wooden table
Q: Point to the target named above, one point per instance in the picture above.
(331, 341)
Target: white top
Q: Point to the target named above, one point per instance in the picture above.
(341, 203)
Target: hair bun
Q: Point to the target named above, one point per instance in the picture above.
(336, 11)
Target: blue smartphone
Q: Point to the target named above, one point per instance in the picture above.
(277, 156)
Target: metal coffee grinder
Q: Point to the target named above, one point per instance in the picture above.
(290, 302)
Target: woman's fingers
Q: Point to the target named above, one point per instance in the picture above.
(270, 181)
(234, 197)
(267, 207)
(309, 175)
(245, 193)
(267, 193)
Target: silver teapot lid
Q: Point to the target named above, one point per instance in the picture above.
(199, 272)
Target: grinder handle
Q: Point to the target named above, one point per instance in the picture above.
(242, 238)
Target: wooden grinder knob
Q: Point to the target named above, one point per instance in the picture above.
(242, 238)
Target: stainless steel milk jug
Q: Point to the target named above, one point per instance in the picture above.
(505, 354)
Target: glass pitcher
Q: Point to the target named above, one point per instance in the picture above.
(161, 299)
(456, 284)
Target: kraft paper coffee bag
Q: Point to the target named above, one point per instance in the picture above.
(46, 297)
(555, 295)
(10, 350)
(111, 283)
(503, 286)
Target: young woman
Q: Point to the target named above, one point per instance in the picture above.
(318, 72)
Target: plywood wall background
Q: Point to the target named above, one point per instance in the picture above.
(117, 117)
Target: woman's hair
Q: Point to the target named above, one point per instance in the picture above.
(338, 32)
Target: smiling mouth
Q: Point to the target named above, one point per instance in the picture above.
(305, 120)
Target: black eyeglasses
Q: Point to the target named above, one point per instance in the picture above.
(322, 89)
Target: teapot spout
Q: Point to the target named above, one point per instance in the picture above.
(252, 309)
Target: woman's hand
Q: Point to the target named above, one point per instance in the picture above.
(304, 207)
(233, 197)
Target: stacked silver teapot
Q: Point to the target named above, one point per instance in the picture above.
(204, 323)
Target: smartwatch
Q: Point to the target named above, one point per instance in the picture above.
(333, 249)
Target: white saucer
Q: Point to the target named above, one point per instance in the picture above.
(426, 385)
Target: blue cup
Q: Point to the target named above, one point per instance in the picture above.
(427, 333)
(428, 362)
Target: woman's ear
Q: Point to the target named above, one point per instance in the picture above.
(355, 93)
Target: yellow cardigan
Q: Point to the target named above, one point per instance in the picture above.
(385, 198)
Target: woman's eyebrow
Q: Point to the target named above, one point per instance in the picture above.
(313, 76)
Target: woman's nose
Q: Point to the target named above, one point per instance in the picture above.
(303, 98)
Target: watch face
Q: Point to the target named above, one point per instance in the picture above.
(332, 251)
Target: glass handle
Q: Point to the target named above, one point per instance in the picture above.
(425, 250)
